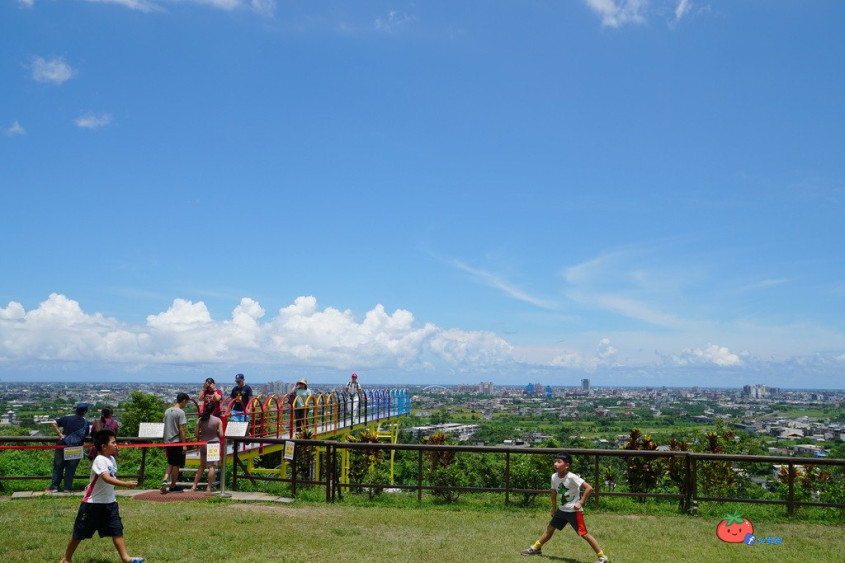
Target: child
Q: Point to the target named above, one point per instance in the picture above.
(98, 511)
(571, 510)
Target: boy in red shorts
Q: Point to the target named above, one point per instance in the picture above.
(98, 511)
(567, 486)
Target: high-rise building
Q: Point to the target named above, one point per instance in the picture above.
(585, 385)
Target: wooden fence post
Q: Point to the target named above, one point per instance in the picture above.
(507, 478)
(419, 476)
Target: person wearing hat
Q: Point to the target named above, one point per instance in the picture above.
(353, 391)
(298, 395)
(241, 394)
(71, 430)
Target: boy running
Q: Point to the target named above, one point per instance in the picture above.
(98, 511)
(567, 486)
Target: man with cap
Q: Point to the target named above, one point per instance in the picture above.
(298, 394)
(241, 393)
(74, 428)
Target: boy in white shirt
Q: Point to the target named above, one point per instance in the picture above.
(567, 486)
(98, 511)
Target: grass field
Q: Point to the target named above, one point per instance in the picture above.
(37, 529)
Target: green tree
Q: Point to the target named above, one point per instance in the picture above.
(445, 470)
(140, 407)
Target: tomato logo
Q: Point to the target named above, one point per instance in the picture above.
(734, 528)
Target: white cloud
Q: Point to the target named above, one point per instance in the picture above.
(615, 13)
(15, 129)
(140, 5)
(682, 9)
(495, 281)
(92, 121)
(306, 338)
(54, 70)
(624, 284)
(302, 334)
(604, 355)
(263, 7)
(26, 3)
(393, 21)
(711, 355)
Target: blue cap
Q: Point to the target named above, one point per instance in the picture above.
(82, 406)
(239, 377)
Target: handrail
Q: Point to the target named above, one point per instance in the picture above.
(689, 495)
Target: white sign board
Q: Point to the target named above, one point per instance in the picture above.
(212, 452)
(236, 429)
(289, 450)
(73, 452)
(151, 430)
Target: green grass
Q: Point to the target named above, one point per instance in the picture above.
(37, 529)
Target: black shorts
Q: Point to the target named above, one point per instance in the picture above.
(175, 456)
(102, 518)
(574, 519)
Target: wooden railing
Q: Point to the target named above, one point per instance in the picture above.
(688, 484)
(687, 495)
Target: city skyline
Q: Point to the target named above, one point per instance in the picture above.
(639, 193)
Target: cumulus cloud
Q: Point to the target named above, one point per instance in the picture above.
(15, 129)
(711, 355)
(604, 355)
(301, 334)
(93, 121)
(55, 70)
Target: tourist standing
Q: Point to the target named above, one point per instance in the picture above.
(353, 392)
(174, 433)
(298, 395)
(71, 430)
(241, 393)
(209, 429)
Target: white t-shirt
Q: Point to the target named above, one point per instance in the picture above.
(98, 491)
(568, 490)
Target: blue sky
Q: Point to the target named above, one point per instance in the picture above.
(639, 192)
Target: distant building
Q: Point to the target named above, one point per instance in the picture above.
(534, 389)
(461, 432)
(585, 385)
(760, 392)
